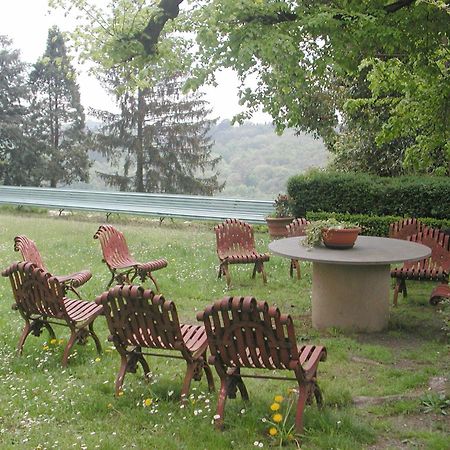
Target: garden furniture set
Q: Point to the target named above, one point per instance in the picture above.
(240, 332)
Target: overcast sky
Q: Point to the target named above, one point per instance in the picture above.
(27, 22)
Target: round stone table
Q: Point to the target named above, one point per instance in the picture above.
(350, 288)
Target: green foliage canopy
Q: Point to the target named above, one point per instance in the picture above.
(315, 60)
(317, 64)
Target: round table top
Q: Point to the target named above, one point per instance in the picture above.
(368, 250)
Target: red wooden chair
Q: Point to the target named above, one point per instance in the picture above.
(123, 267)
(236, 245)
(296, 228)
(434, 268)
(405, 228)
(41, 301)
(243, 333)
(139, 319)
(30, 253)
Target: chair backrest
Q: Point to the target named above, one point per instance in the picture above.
(36, 291)
(136, 316)
(245, 333)
(234, 235)
(405, 228)
(439, 243)
(114, 246)
(297, 227)
(29, 251)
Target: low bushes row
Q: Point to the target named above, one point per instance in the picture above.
(376, 225)
(368, 194)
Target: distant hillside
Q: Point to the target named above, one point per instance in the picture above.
(256, 162)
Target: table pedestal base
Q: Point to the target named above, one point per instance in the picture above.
(350, 297)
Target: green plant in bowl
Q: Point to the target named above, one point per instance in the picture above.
(316, 230)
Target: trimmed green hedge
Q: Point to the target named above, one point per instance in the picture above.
(367, 194)
(375, 225)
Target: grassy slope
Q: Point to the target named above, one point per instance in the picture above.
(43, 406)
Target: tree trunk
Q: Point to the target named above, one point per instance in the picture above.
(139, 182)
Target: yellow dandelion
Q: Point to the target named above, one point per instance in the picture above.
(54, 341)
(277, 418)
(45, 347)
(279, 398)
(273, 431)
(109, 405)
(97, 359)
(275, 406)
(120, 393)
(148, 402)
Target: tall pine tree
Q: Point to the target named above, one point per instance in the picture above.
(20, 161)
(58, 116)
(161, 138)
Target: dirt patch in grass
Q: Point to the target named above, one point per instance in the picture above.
(403, 424)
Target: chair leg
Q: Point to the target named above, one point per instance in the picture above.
(242, 389)
(50, 330)
(297, 268)
(121, 374)
(71, 341)
(318, 395)
(396, 290)
(226, 272)
(154, 281)
(111, 281)
(145, 367)
(209, 377)
(95, 337)
(400, 286)
(71, 288)
(26, 331)
(236, 382)
(190, 371)
(223, 394)
(303, 395)
(263, 272)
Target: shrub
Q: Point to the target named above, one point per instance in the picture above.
(368, 194)
(375, 225)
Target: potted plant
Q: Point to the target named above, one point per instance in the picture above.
(282, 216)
(332, 233)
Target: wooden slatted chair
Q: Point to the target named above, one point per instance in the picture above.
(138, 319)
(236, 245)
(405, 228)
(30, 253)
(123, 267)
(40, 299)
(243, 333)
(434, 268)
(296, 228)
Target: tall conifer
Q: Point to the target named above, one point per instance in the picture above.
(161, 140)
(58, 115)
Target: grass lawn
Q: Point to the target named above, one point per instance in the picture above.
(375, 386)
